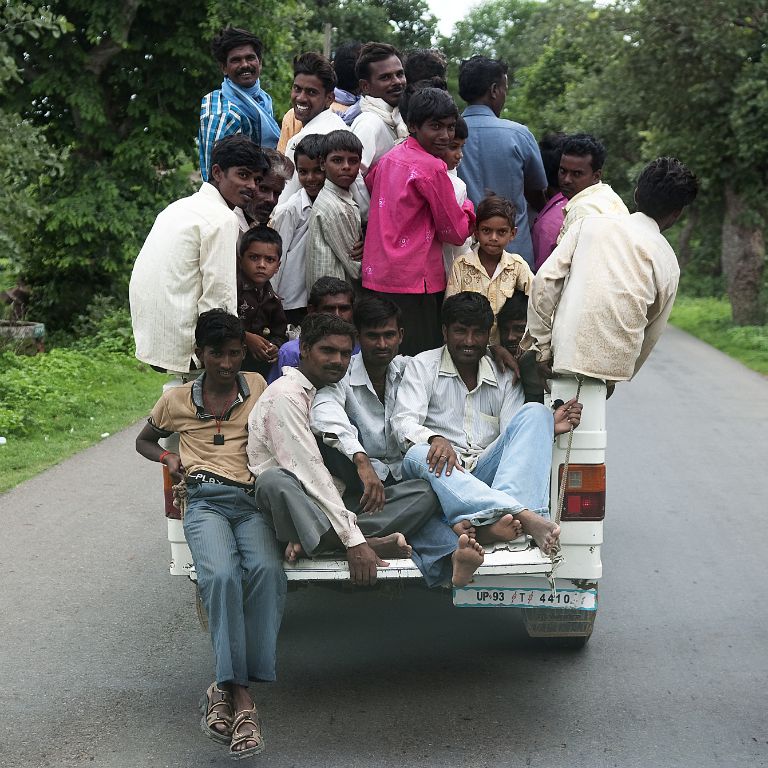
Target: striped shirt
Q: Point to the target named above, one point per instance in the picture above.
(433, 400)
(334, 228)
(291, 220)
(219, 117)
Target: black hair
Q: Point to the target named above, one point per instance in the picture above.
(260, 233)
(424, 63)
(344, 60)
(310, 146)
(412, 88)
(551, 147)
(430, 104)
(233, 37)
(375, 311)
(582, 145)
(318, 325)
(477, 74)
(493, 205)
(328, 286)
(217, 326)
(371, 53)
(514, 310)
(665, 186)
(462, 129)
(239, 149)
(316, 64)
(279, 164)
(341, 141)
(467, 308)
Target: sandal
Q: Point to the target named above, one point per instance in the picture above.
(216, 706)
(247, 727)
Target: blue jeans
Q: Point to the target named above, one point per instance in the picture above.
(511, 474)
(241, 580)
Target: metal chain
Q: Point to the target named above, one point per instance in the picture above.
(554, 556)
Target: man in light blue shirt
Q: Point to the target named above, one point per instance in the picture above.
(500, 156)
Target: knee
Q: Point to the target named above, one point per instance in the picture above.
(533, 413)
(272, 482)
(417, 453)
(221, 581)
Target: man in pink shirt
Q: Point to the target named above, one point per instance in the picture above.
(413, 212)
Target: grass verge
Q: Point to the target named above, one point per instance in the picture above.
(709, 319)
(54, 405)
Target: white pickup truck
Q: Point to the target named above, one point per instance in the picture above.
(514, 575)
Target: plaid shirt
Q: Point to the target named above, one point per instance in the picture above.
(219, 117)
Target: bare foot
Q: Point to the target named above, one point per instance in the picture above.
(545, 533)
(506, 528)
(467, 558)
(464, 526)
(293, 551)
(393, 545)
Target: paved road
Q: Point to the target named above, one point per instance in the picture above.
(102, 661)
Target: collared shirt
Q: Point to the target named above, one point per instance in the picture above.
(186, 266)
(279, 436)
(546, 229)
(512, 274)
(610, 285)
(596, 199)
(502, 156)
(219, 117)
(414, 212)
(183, 410)
(350, 417)
(261, 312)
(323, 123)
(376, 136)
(434, 400)
(291, 220)
(452, 252)
(334, 228)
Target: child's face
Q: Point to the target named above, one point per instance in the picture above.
(454, 153)
(311, 174)
(494, 235)
(435, 135)
(342, 167)
(259, 263)
(511, 334)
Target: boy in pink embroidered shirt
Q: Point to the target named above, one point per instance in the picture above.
(413, 212)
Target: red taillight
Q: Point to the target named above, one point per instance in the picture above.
(170, 510)
(585, 494)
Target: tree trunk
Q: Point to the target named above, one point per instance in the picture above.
(684, 241)
(743, 259)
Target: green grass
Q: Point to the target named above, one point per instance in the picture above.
(54, 405)
(709, 319)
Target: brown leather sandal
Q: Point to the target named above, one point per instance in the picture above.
(216, 706)
(246, 727)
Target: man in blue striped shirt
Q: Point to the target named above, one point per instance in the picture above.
(240, 105)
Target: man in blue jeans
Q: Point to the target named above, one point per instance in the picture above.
(236, 555)
(466, 430)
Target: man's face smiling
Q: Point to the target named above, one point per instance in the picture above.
(510, 335)
(308, 97)
(387, 80)
(237, 185)
(326, 361)
(243, 67)
(222, 363)
(466, 343)
(435, 134)
(379, 345)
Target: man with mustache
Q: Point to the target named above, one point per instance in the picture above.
(293, 486)
(188, 262)
(240, 105)
(382, 80)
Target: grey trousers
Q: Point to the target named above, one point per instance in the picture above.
(241, 580)
(411, 508)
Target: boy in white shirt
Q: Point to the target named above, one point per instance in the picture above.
(452, 157)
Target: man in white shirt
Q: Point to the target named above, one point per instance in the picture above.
(187, 264)
(579, 177)
(382, 80)
(294, 487)
(601, 301)
(359, 446)
(467, 431)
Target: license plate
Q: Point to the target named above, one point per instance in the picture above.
(515, 597)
